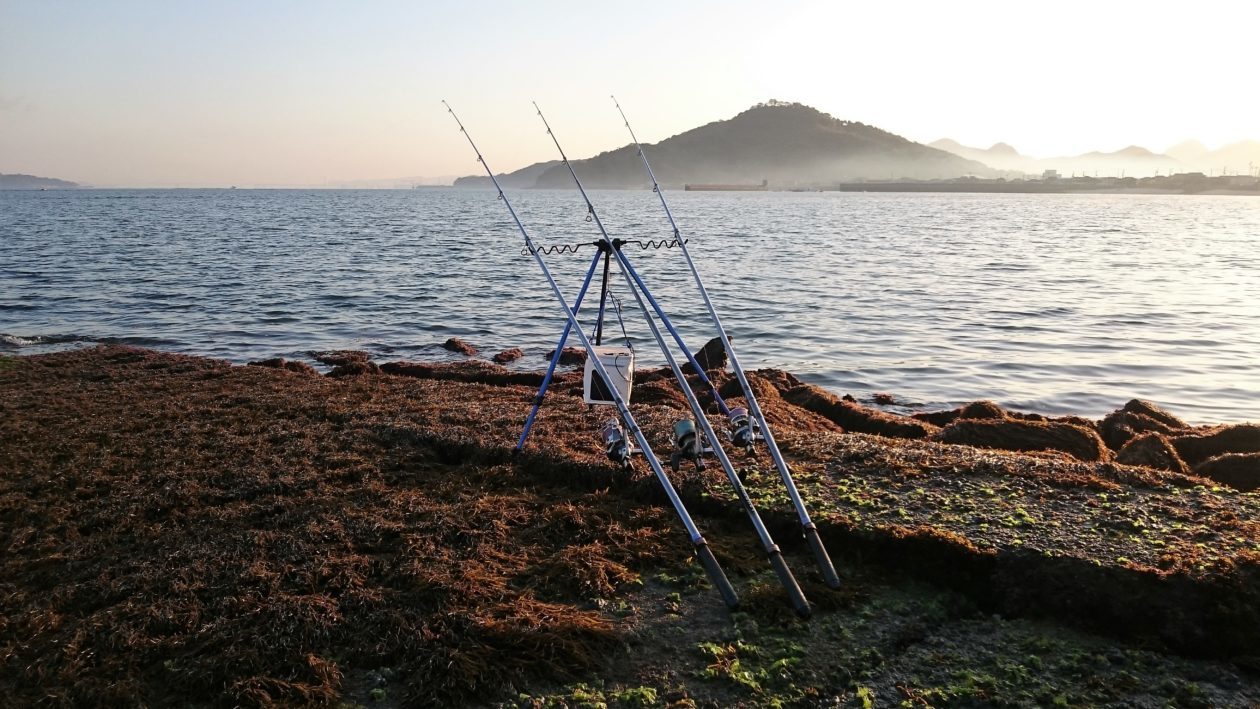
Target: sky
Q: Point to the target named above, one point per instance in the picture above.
(182, 93)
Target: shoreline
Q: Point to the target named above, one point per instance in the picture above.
(208, 533)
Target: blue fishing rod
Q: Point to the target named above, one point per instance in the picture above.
(703, 552)
(685, 435)
(808, 528)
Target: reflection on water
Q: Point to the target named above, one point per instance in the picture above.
(1050, 303)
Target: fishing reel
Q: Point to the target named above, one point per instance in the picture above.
(743, 431)
(616, 446)
(687, 445)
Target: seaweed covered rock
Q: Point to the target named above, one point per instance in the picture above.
(354, 369)
(1120, 427)
(855, 417)
(660, 391)
(1196, 448)
(1240, 471)
(338, 358)
(710, 357)
(473, 372)
(570, 356)
(287, 365)
(974, 410)
(982, 410)
(509, 355)
(1026, 436)
(458, 346)
(937, 418)
(1153, 411)
(1152, 450)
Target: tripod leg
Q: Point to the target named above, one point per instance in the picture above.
(603, 300)
(555, 359)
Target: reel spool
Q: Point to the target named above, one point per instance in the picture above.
(616, 446)
(687, 444)
(743, 431)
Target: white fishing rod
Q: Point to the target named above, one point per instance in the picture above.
(705, 554)
(772, 550)
(808, 528)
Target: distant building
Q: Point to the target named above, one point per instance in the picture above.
(1050, 175)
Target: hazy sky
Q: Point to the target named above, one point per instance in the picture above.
(170, 92)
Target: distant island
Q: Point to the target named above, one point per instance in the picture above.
(31, 182)
(786, 145)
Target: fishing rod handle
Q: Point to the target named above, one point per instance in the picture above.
(795, 595)
(820, 556)
(716, 575)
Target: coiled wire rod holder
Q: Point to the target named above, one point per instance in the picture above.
(644, 244)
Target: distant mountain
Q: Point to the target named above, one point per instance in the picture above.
(1001, 156)
(1133, 161)
(31, 182)
(786, 144)
(522, 178)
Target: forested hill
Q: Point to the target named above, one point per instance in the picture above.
(787, 144)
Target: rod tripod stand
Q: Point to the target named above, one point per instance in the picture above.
(605, 252)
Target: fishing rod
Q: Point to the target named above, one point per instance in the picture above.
(809, 529)
(703, 552)
(686, 439)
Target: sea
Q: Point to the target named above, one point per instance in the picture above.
(1048, 303)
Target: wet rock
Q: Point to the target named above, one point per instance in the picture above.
(1120, 427)
(570, 356)
(1014, 435)
(884, 399)
(354, 369)
(282, 363)
(1153, 411)
(506, 356)
(458, 346)
(1240, 471)
(1153, 450)
(710, 357)
(337, 358)
(1196, 448)
(855, 417)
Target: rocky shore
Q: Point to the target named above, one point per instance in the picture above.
(180, 531)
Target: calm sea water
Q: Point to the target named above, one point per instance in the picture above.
(1049, 303)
